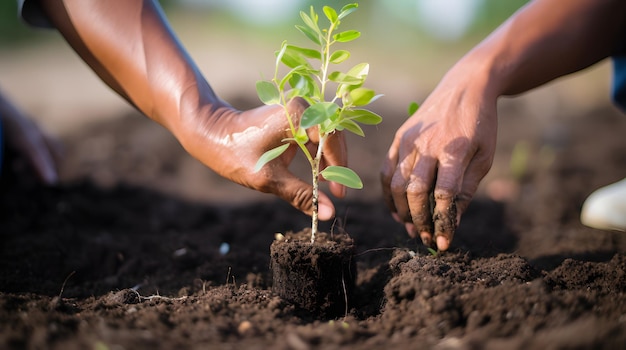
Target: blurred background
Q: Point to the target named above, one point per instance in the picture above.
(410, 44)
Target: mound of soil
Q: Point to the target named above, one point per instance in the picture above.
(126, 266)
(316, 276)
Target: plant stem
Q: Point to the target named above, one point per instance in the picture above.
(314, 216)
(315, 162)
(315, 171)
(326, 58)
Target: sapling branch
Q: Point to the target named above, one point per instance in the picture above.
(328, 116)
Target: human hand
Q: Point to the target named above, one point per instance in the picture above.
(438, 157)
(23, 136)
(230, 142)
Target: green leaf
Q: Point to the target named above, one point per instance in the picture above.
(310, 33)
(301, 83)
(297, 81)
(310, 21)
(328, 126)
(305, 52)
(269, 156)
(284, 80)
(367, 117)
(413, 107)
(346, 36)
(360, 70)
(376, 97)
(293, 59)
(348, 9)
(330, 13)
(293, 93)
(301, 137)
(342, 78)
(352, 127)
(268, 92)
(363, 116)
(313, 15)
(317, 114)
(303, 70)
(339, 56)
(343, 89)
(279, 54)
(342, 175)
(311, 29)
(361, 96)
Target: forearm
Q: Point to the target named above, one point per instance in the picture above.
(129, 45)
(545, 40)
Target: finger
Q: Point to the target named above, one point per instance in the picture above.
(450, 176)
(410, 229)
(296, 107)
(476, 170)
(399, 183)
(300, 194)
(387, 171)
(419, 191)
(444, 219)
(336, 153)
(326, 209)
(449, 179)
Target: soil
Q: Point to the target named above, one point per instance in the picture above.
(118, 264)
(315, 276)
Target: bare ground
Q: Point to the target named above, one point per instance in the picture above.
(107, 261)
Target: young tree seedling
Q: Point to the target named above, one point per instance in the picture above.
(310, 75)
(432, 252)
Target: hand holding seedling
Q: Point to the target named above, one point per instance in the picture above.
(232, 143)
(324, 118)
(131, 47)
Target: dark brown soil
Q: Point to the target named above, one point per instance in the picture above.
(317, 277)
(126, 266)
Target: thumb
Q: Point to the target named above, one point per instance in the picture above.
(300, 195)
(336, 153)
(326, 209)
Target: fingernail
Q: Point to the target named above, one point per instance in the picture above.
(427, 238)
(325, 212)
(410, 229)
(442, 243)
(396, 217)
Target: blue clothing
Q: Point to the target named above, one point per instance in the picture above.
(1, 145)
(618, 88)
(31, 13)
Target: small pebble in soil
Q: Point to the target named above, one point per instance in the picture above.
(244, 328)
(180, 252)
(125, 296)
(224, 248)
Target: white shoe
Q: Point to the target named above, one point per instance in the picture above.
(605, 209)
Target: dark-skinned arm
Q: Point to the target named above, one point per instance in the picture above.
(447, 147)
(131, 47)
